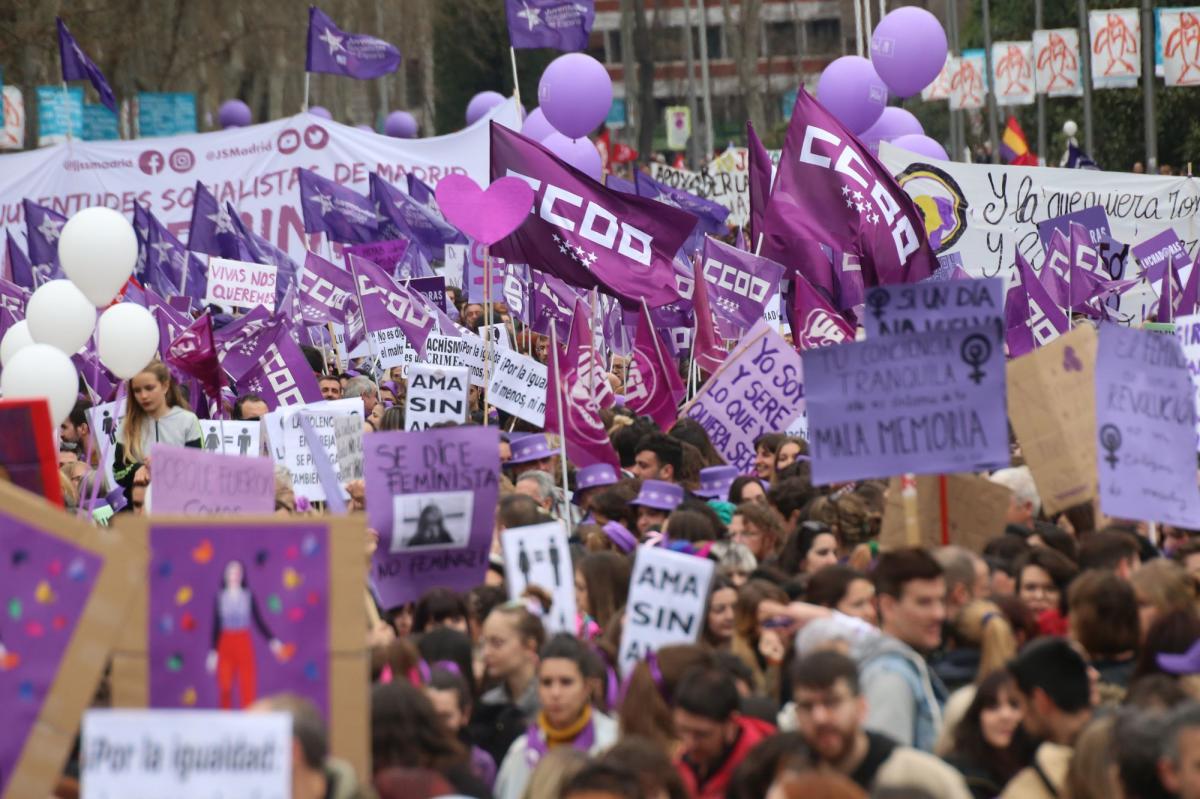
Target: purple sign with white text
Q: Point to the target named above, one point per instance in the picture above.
(1095, 219)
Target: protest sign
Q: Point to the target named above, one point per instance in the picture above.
(945, 305)
(185, 754)
(1187, 328)
(539, 555)
(1145, 428)
(385, 253)
(725, 180)
(105, 421)
(289, 448)
(668, 594)
(231, 437)
(28, 455)
(293, 625)
(758, 389)
(240, 284)
(431, 495)
(920, 402)
(975, 509)
(519, 387)
(12, 112)
(65, 593)
(348, 433)
(1110, 253)
(1052, 407)
(192, 482)
(435, 394)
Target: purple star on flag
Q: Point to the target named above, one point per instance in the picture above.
(77, 66)
(353, 55)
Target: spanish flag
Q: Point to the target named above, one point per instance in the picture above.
(1014, 147)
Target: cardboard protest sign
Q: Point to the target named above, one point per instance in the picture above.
(240, 284)
(152, 753)
(231, 609)
(28, 456)
(518, 387)
(192, 482)
(1187, 328)
(65, 590)
(431, 496)
(435, 394)
(1145, 428)
(348, 434)
(921, 402)
(289, 447)
(539, 555)
(944, 305)
(758, 389)
(668, 594)
(105, 421)
(1052, 407)
(975, 509)
(231, 437)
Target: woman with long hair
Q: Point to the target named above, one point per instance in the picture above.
(156, 413)
(431, 529)
(646, 710)
(989, 748)
(720, 620)
(235, 611)
(846, 590)
(511, 638)
(601, 584)
(759, 528)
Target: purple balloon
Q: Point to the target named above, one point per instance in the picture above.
(892, 122)
(234, 114)
(921, 144)
(482, 103)
(401, 125)
(320, 111)
(851, 91)
(908, 49)
(575, 93)
(579, 153)
(536, 126)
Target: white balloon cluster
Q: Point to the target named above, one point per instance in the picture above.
(98, 250)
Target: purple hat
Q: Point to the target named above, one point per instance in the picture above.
(595, 476)
(716, 480)
(1182, 665)
(533, 447)
(659, 495)
(620, 536)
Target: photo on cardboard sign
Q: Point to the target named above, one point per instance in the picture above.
(440, 520)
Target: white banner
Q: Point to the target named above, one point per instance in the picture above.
(1116, 37)
(668, 592)
(540, 555)
(231, 437)
(1181, 46)
(679, 126)
(435, 394)
(1056, 62)
(12, 136)
(940, 88)
(519, 387)
(967, 86)
(725, 181)
(1012, 73)
(240, 284)
(982, 211)
(252, 167)
(289, 448)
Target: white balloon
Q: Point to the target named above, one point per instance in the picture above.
(16, 339)
(127, 339)
(98, 251)
(41, 370)
(59, 314)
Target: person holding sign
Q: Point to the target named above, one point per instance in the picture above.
(566, 718)
(157, 414)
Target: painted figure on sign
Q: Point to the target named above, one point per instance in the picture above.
(431, 529)
(554, 559)
(109, 426)
(1118, 41)
(523, 562)
(1185, 40)
(1058, 57)
(969, 82)
(1014, 69)
(232, 655)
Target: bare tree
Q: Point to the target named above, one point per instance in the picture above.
(744, 26)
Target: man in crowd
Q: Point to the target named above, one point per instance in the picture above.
(1110, 549)
(331, 387)
(658, 457)
(362, 387)
(1179, 765)
(250, 407)
(1025, 503)
(315, 775)
(75, 430)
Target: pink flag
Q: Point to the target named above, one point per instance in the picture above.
(576, 391)
(654, 387)
(815, 323)
(194, 352)
(707, 351)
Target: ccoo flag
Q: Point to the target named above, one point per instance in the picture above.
(654, 387)
(577, 389)
(77, 66)
(353, 55)
(557, 24)
(830, 189)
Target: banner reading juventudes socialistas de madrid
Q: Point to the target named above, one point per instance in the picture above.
(252, 167)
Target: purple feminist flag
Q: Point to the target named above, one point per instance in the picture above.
(556, 24)
(577, 388)
(760, 180)
(387, 304)
(585, 233)
(212, 230)
(281, 375)
(740, 284)
(194, 353)
(830, 189)
(402, 217)
(77, 66)
(327, 295)
(653, 387)
(815, 323)
(42, 229)
(353, 55)
(712, 215)
(19, 268)
(342, 214)
(241, 344)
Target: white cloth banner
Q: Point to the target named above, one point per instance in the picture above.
(1181, 46)
(1012, 73)
(252, 167)
(967, 85)
(1056, 62)
(981, 212)
(1116, 40)
(12, 135)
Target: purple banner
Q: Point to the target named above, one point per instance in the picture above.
(941, 305)
(555, 24)
(387, 254)
(354, 55)
(922, 402)
(740, 284)
(1145, 428)
(340, 213)
(431, 495)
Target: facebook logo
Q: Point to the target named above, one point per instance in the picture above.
(151, 162)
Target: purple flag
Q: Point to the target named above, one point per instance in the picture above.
(77, 66)
(339, 212)
(552, 302)
(241, 344)
(586, 234)
(19, 267)
(1017, 333)
(1056, 267)
(261, 251)
(170, 322)
(402, 217)
(707, 348)
(740, 284)
(1110, 252)
(42, 229)
(353, 55)
(620, 184)
(388, 254)
(1145, 427)
(1039, 297)
(13, 298)
(556, 24)
(387, 304)
(327, 295)
(760, 180)
(164, 257)
(711, 215)
(194, 353)
(830, 189)
(212, 230)
(653, 387)
(815, 322)
(1161, 258)
(101, 382)
(420, 191)
(281, 375)
(577, 388)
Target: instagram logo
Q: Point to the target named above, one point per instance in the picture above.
(151, 162)
(182, 160)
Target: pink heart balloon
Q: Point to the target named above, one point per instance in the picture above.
(486, 215)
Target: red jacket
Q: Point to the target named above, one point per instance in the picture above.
(752, 732)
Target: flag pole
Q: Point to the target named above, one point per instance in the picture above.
(307, 77)
(558, 404)
(487, 320)
(512, 52)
